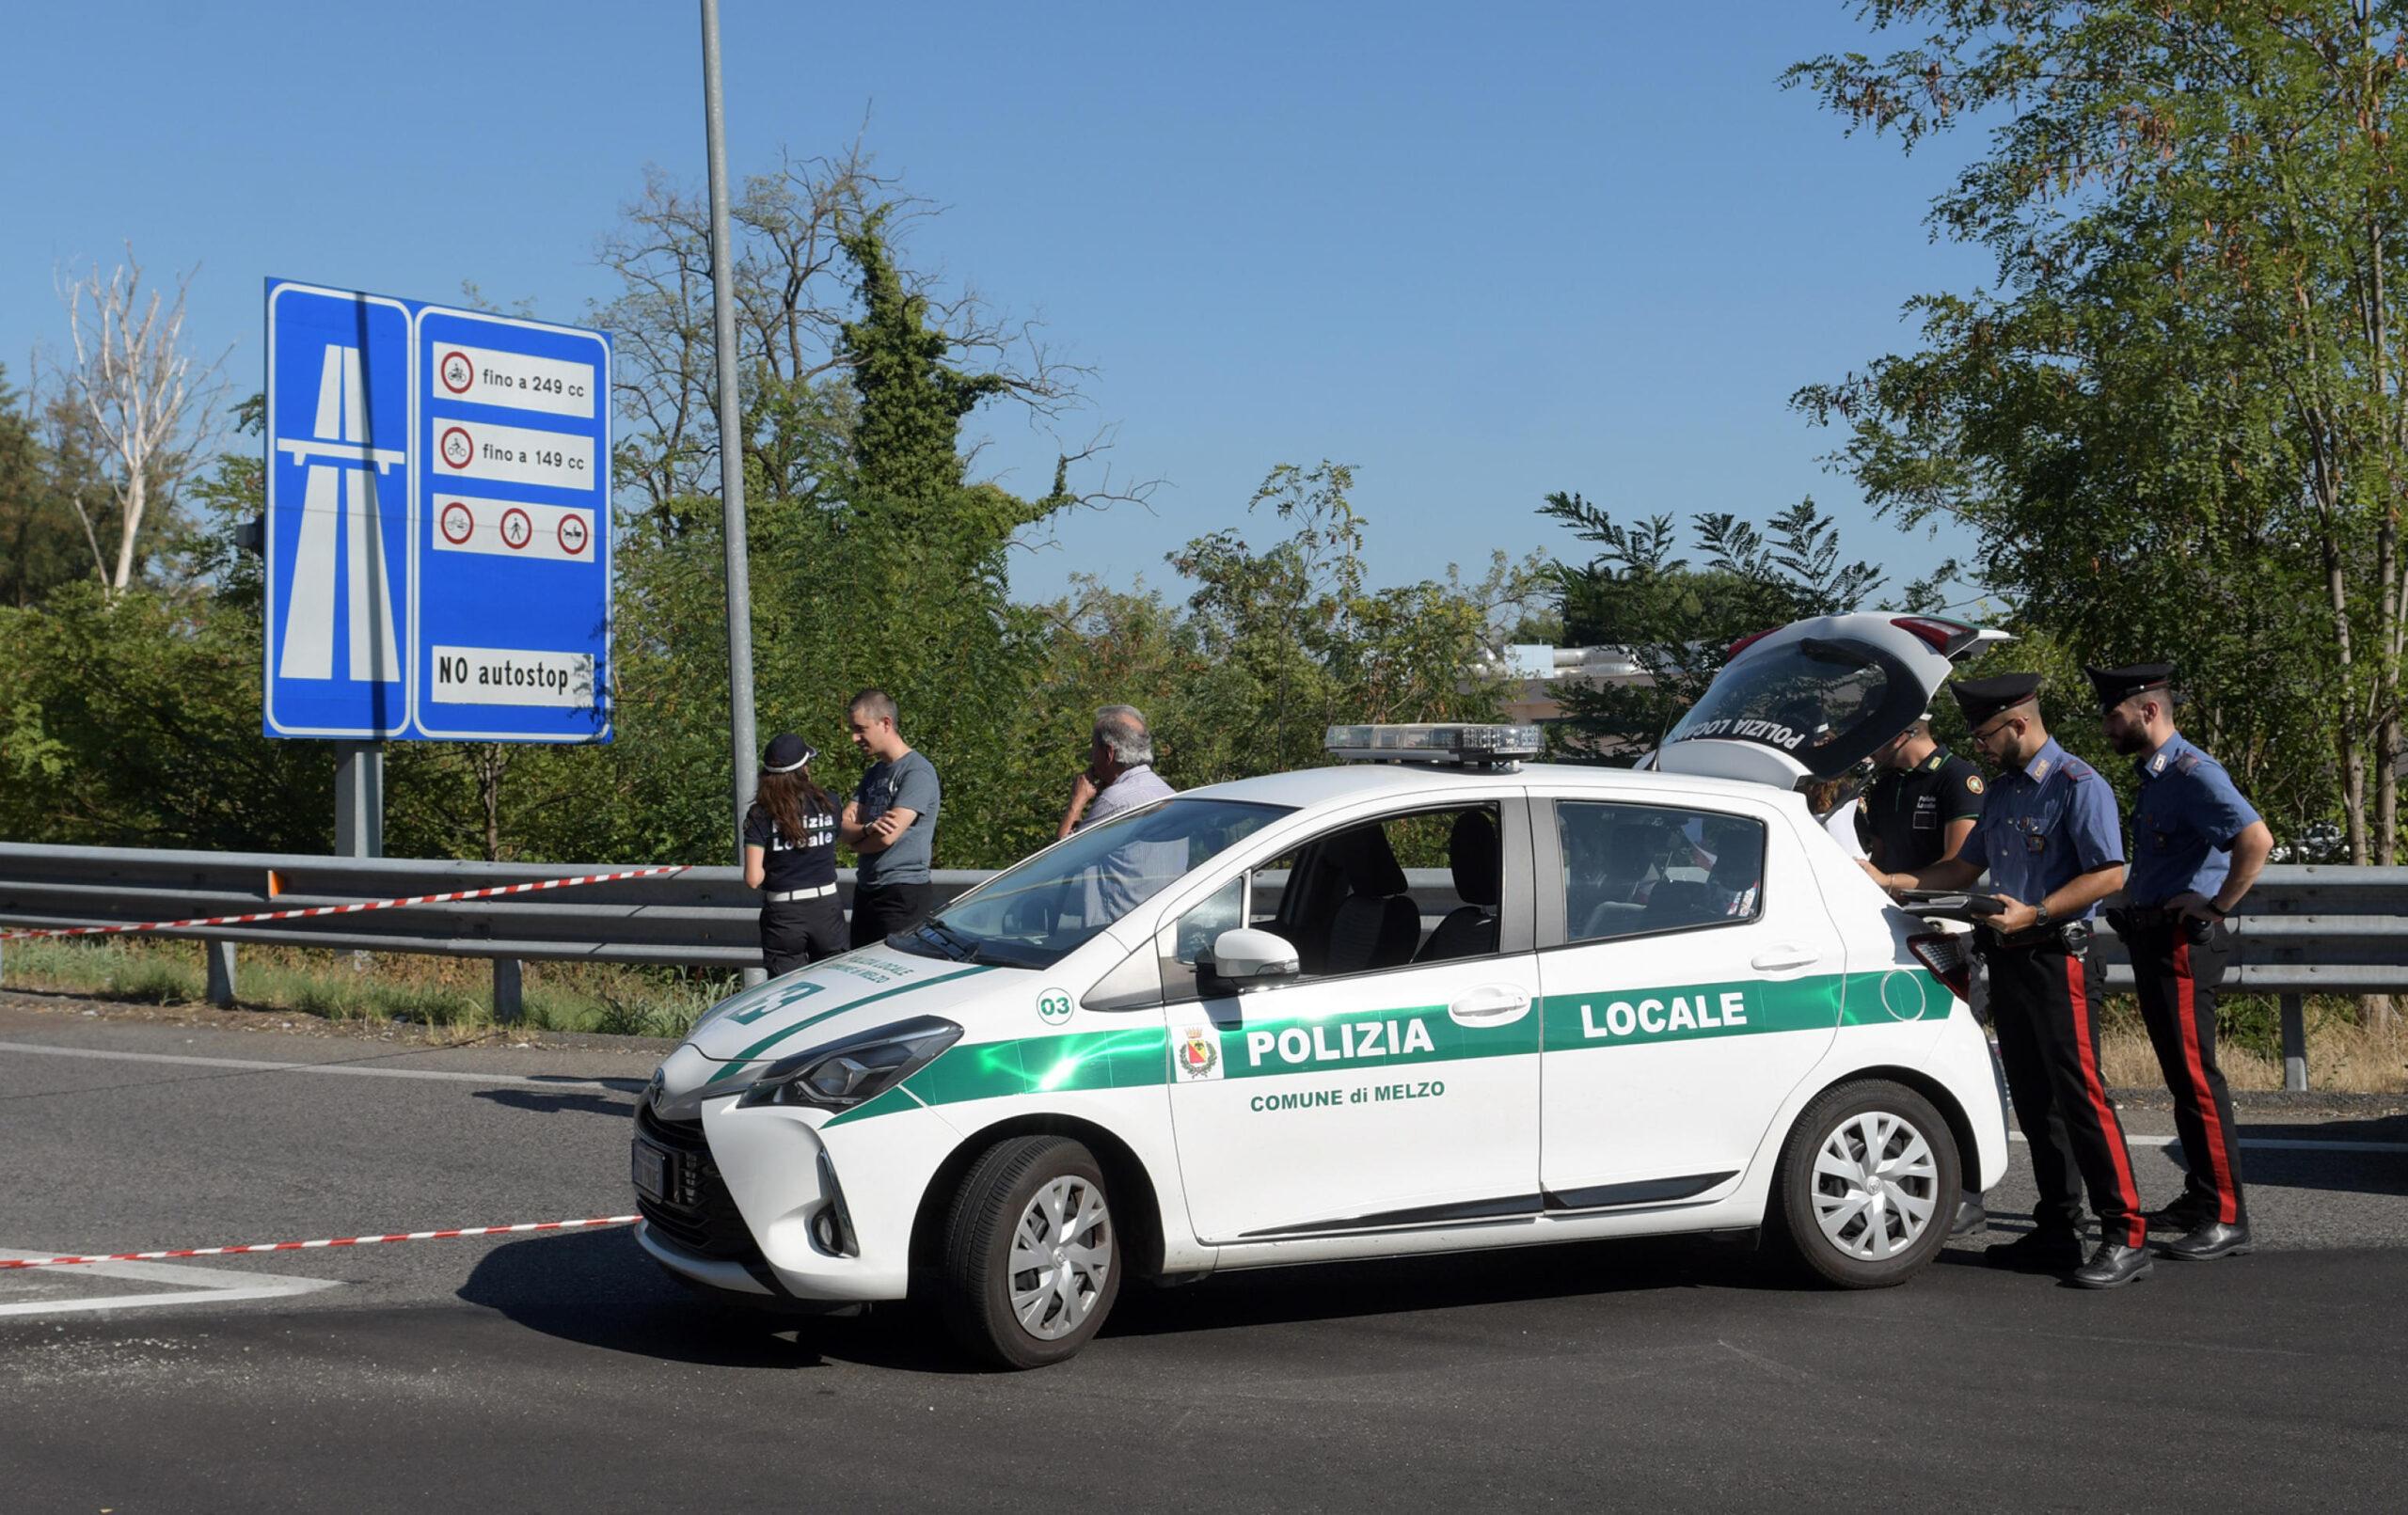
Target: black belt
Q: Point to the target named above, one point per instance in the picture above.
(2070, 936)
(2128, 917)
(2132, 920)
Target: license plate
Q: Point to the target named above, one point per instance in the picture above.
(649, 1166)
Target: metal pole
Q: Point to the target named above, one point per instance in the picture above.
(359, 816)
(740, 738)
(2294, 1043)
(509, 990)
(219, 955)
(360, 800)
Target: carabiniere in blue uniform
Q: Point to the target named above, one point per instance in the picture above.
(2185, 823)
(2042, 826)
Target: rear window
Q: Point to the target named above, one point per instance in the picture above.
(1641, 869)
(1826, 702)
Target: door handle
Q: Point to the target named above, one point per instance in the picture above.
(1489, 1003)
(1774, 959)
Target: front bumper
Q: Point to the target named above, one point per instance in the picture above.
(756, 1204)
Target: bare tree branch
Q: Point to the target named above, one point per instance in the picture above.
(149, 404)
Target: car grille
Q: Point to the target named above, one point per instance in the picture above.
(702, 1219)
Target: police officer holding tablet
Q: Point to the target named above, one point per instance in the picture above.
(2050, 837)
(2197, 847)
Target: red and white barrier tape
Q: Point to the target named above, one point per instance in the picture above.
(342, 910)
(309, 1246)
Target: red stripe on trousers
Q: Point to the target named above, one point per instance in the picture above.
(2108, 1127)
(2227, 1197)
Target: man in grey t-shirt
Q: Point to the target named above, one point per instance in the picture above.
(890, 823)
(1120, 778)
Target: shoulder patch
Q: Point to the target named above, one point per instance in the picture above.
(2189, 764)
(1973, 783)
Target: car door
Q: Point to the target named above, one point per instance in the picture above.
(1363, 1095)
(1691, 977)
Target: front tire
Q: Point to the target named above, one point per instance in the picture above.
(1867, 1184)
(1031, 1264)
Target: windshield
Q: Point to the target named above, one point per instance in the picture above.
(1827, 704)
(1032, 915)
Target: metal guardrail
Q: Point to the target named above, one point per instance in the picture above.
(703, 917)
(2303, 929)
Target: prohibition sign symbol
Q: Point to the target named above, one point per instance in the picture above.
(457, 523)
(517, 529)
(455, 363)
(459, 449)
(572, 535)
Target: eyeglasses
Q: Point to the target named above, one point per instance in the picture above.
(1984, 738)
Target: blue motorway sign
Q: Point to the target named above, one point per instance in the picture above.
(439, 522)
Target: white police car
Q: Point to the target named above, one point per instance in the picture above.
(1437, 1002)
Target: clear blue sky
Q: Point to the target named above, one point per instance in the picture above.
(1481, 253)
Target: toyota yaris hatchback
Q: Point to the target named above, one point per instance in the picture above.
(1434, 1001)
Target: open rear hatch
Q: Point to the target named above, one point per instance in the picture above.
(1806, 706)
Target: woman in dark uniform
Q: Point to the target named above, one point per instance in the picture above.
(790, 856)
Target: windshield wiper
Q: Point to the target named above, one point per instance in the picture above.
(958, 944)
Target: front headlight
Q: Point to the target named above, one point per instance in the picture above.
(848, 1073)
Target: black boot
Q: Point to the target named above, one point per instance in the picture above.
(2212, 1239)
(2049, 1251)
(1970, 1218)
(2113, 1266)
(2188, 1214)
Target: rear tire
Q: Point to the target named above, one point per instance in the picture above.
(1031, 1262)
(1866, 1186)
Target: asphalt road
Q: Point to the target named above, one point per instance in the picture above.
(563, 1371)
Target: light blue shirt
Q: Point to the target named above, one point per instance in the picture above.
(2183, 823)
(1133, 872)
(2042, 827)
(1133, 789)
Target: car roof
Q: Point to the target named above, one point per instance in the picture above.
(1307, 787)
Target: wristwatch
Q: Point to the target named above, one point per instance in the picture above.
(2216, 910)
(2039, 915)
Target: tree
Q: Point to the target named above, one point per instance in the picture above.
(1677, 621)
(40, 544)
(146, 402)
(1292, 639)
(2179, 425)
(877, 559)
(791, 294)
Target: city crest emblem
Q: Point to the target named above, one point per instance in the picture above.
(1197, 1053)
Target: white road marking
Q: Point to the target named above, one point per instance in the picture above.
(2268, 1143)
(253, 1066)
(200, 1286)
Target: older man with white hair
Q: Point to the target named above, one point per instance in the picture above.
(1119, 774)
(1119, 778)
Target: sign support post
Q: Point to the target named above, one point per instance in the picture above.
(741, 739)
(360, 800)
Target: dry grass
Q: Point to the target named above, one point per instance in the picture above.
(340, 986)
(2343, 1056)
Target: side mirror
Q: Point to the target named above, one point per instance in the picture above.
(1245, 958)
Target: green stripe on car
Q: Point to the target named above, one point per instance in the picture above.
(1128, 1058)
(1140, 1057)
